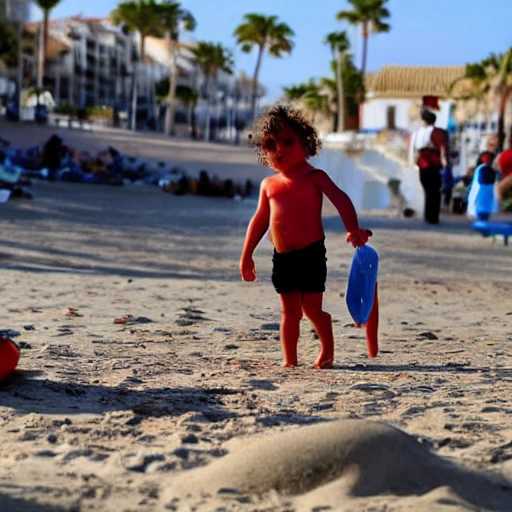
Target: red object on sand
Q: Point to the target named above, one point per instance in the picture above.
(9, 357)
(372, 327)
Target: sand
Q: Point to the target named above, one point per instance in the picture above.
(186, 407)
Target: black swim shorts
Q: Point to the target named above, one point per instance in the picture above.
(302, 270)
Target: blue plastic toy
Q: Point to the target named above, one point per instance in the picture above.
(361, 283)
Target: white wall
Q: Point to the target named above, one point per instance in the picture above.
(365, 178)
(375, 113)
(367, 189)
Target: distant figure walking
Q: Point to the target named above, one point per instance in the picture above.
(428, 150)
(52, 156)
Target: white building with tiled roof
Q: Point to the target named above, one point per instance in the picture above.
(394, 94)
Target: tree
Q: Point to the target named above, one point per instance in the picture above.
(321, 101)
(8, 44)
(173, 19)
(491, 80)
(503, 88)
(212, 58)
(185, 94)
(267, 35)
(189, 98)
(370, 15)
(339, 44)
(46, 6)
(143, 16)
(353, 85)
(317, 98)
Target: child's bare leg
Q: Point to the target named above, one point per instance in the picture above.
(291, 314)
(321, 320)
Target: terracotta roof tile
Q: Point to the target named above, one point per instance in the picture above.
(413, 81)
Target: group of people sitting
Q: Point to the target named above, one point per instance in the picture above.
(56, 161)
(211, 186)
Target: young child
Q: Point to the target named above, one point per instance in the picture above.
(290, 204)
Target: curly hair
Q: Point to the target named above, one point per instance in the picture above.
(274, 119)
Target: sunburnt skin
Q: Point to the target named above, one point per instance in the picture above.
(290, 208)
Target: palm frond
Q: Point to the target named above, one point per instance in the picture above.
(213, 57)
(365, 11)
(338, 41)
(173, 17)
(47, 5)
(264, 32)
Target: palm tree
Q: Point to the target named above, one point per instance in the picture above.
(185, 94)
(46, 6)
(322, 102)
(212, 58)
(298, 91)
(173, 19)
(316, 98)
(503, 87)
(189, 98)
(266, 34)
(319, 97)
(339, 44)
(353, 88)
(143, 16)
(370, 15)
(491, 80)
(8, 44)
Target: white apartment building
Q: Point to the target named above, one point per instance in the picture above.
(91, 62)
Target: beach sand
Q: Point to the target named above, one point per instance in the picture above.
(186, 407)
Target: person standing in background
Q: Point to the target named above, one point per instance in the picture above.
(429, 150)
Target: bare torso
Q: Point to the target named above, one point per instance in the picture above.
(295, 210)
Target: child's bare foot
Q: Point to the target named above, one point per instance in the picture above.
(287, 364)
(324, 362)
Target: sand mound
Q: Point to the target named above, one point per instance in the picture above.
(339, 459)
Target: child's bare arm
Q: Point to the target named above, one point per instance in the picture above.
(339, 199)
(255, 231)
(355, 235)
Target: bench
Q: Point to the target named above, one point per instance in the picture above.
(489, 228)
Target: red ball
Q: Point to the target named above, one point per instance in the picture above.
(9, 357)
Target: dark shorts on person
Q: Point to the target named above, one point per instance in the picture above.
(302, 270)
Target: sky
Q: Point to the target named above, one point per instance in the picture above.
(423, 32)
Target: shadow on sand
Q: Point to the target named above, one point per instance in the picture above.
(27, 393)
(12, 504)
